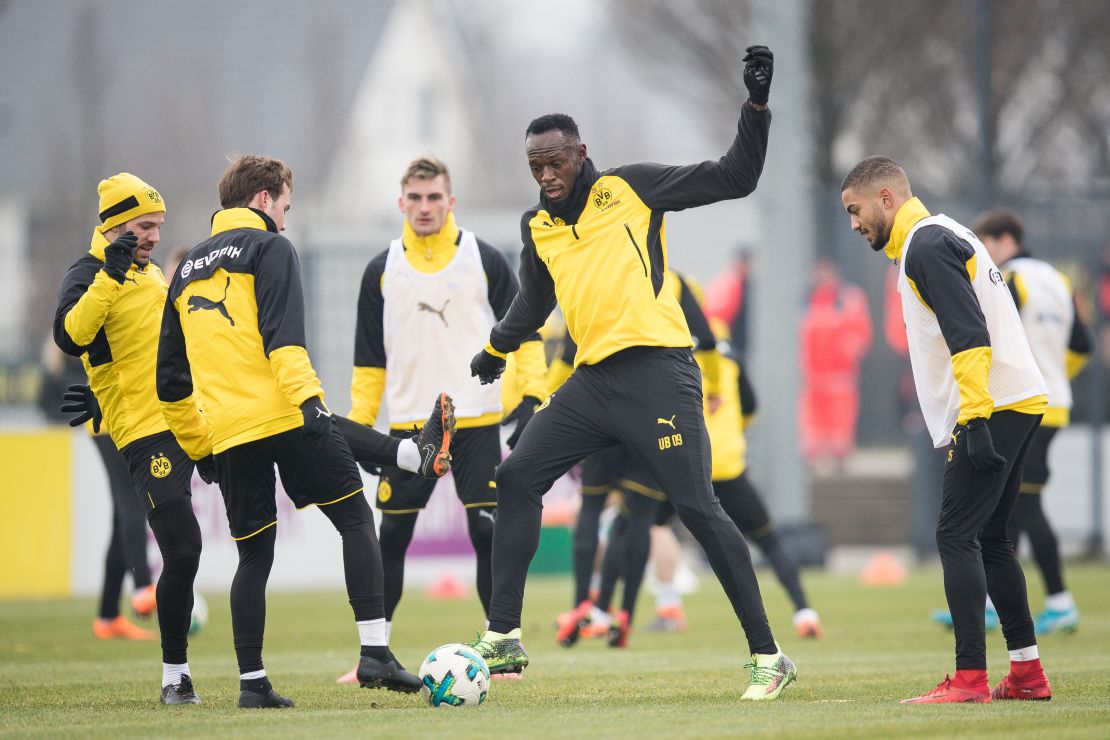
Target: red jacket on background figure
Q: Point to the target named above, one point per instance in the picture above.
(836, 335)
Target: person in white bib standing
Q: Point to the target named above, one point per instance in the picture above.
(983, 397)
(433, 294)
(1061, 344)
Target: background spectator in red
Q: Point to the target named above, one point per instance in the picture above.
(836, 334)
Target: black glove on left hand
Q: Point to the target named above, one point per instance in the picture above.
(487, 367)
(317, 418)
(759, 66)
(206, 468)
(522, 414)
(980, 447)
(79, 399)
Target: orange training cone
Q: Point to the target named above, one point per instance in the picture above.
(446, 587)
(883, 569)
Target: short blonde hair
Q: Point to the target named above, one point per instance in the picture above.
(426, 168)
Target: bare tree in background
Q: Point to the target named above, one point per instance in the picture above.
(899, 78)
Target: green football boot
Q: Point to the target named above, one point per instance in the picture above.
(502, 653)
(770, 675)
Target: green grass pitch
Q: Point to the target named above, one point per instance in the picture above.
(56, 680)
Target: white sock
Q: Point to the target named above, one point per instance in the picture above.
(172, 673)
(408, 456)
(1027, 653)
(597, 616)
(1060, 602)
(667, 595)
(252, 675)
(389, 631)
(990, 605)
(803, 615)
(372, 633)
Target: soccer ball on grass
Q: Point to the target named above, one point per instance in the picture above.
(454, 675)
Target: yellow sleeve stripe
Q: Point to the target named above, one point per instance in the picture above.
(495, 353)
(367, 388)
(972, 267)
(971, 368)
(295, 376)
(916, 292)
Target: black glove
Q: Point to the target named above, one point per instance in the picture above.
(759, 65)
(317, 418)
(79, 399)
(206, 467)
(980, 447)
(487, 367)
(522, 414)
(119, 255)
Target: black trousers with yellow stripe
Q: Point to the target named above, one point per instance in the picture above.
(648, 399)
(976, 554)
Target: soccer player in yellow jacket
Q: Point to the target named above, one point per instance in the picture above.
(596, 245)
(982, 396)
(233, 343)
(109, 314)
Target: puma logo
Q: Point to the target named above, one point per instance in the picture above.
(199, 303)
(319, 412)
(131, 279)
(669, 422)
(422, 306)
(488, 514)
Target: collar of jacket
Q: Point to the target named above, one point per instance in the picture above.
(912, 211)
(241, 218)
(446, 239)
(98, 245)
(570, 207)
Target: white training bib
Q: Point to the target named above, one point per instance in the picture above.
(1013, 373)
(1047, 315)
(432, 325)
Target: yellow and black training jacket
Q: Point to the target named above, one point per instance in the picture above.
(113, 327)
(233, 338)
(601, 252)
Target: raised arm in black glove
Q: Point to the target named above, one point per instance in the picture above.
(487, 367)
(759, 65)
(79, 399)
(980, 447)
(317, 418)
(522, 414)
(119, 255)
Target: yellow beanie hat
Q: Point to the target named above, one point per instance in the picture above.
(122, 198)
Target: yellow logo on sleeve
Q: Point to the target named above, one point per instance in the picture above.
(385, 491)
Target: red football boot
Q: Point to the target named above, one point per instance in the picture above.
(571, 624)
(1026, 681)
(969, 686)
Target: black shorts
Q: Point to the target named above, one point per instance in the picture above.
(160, 469)
(312, 472)
(618, 467)
(476, 453)
(1034, 475)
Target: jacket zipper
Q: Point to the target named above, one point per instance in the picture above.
(637, 248)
